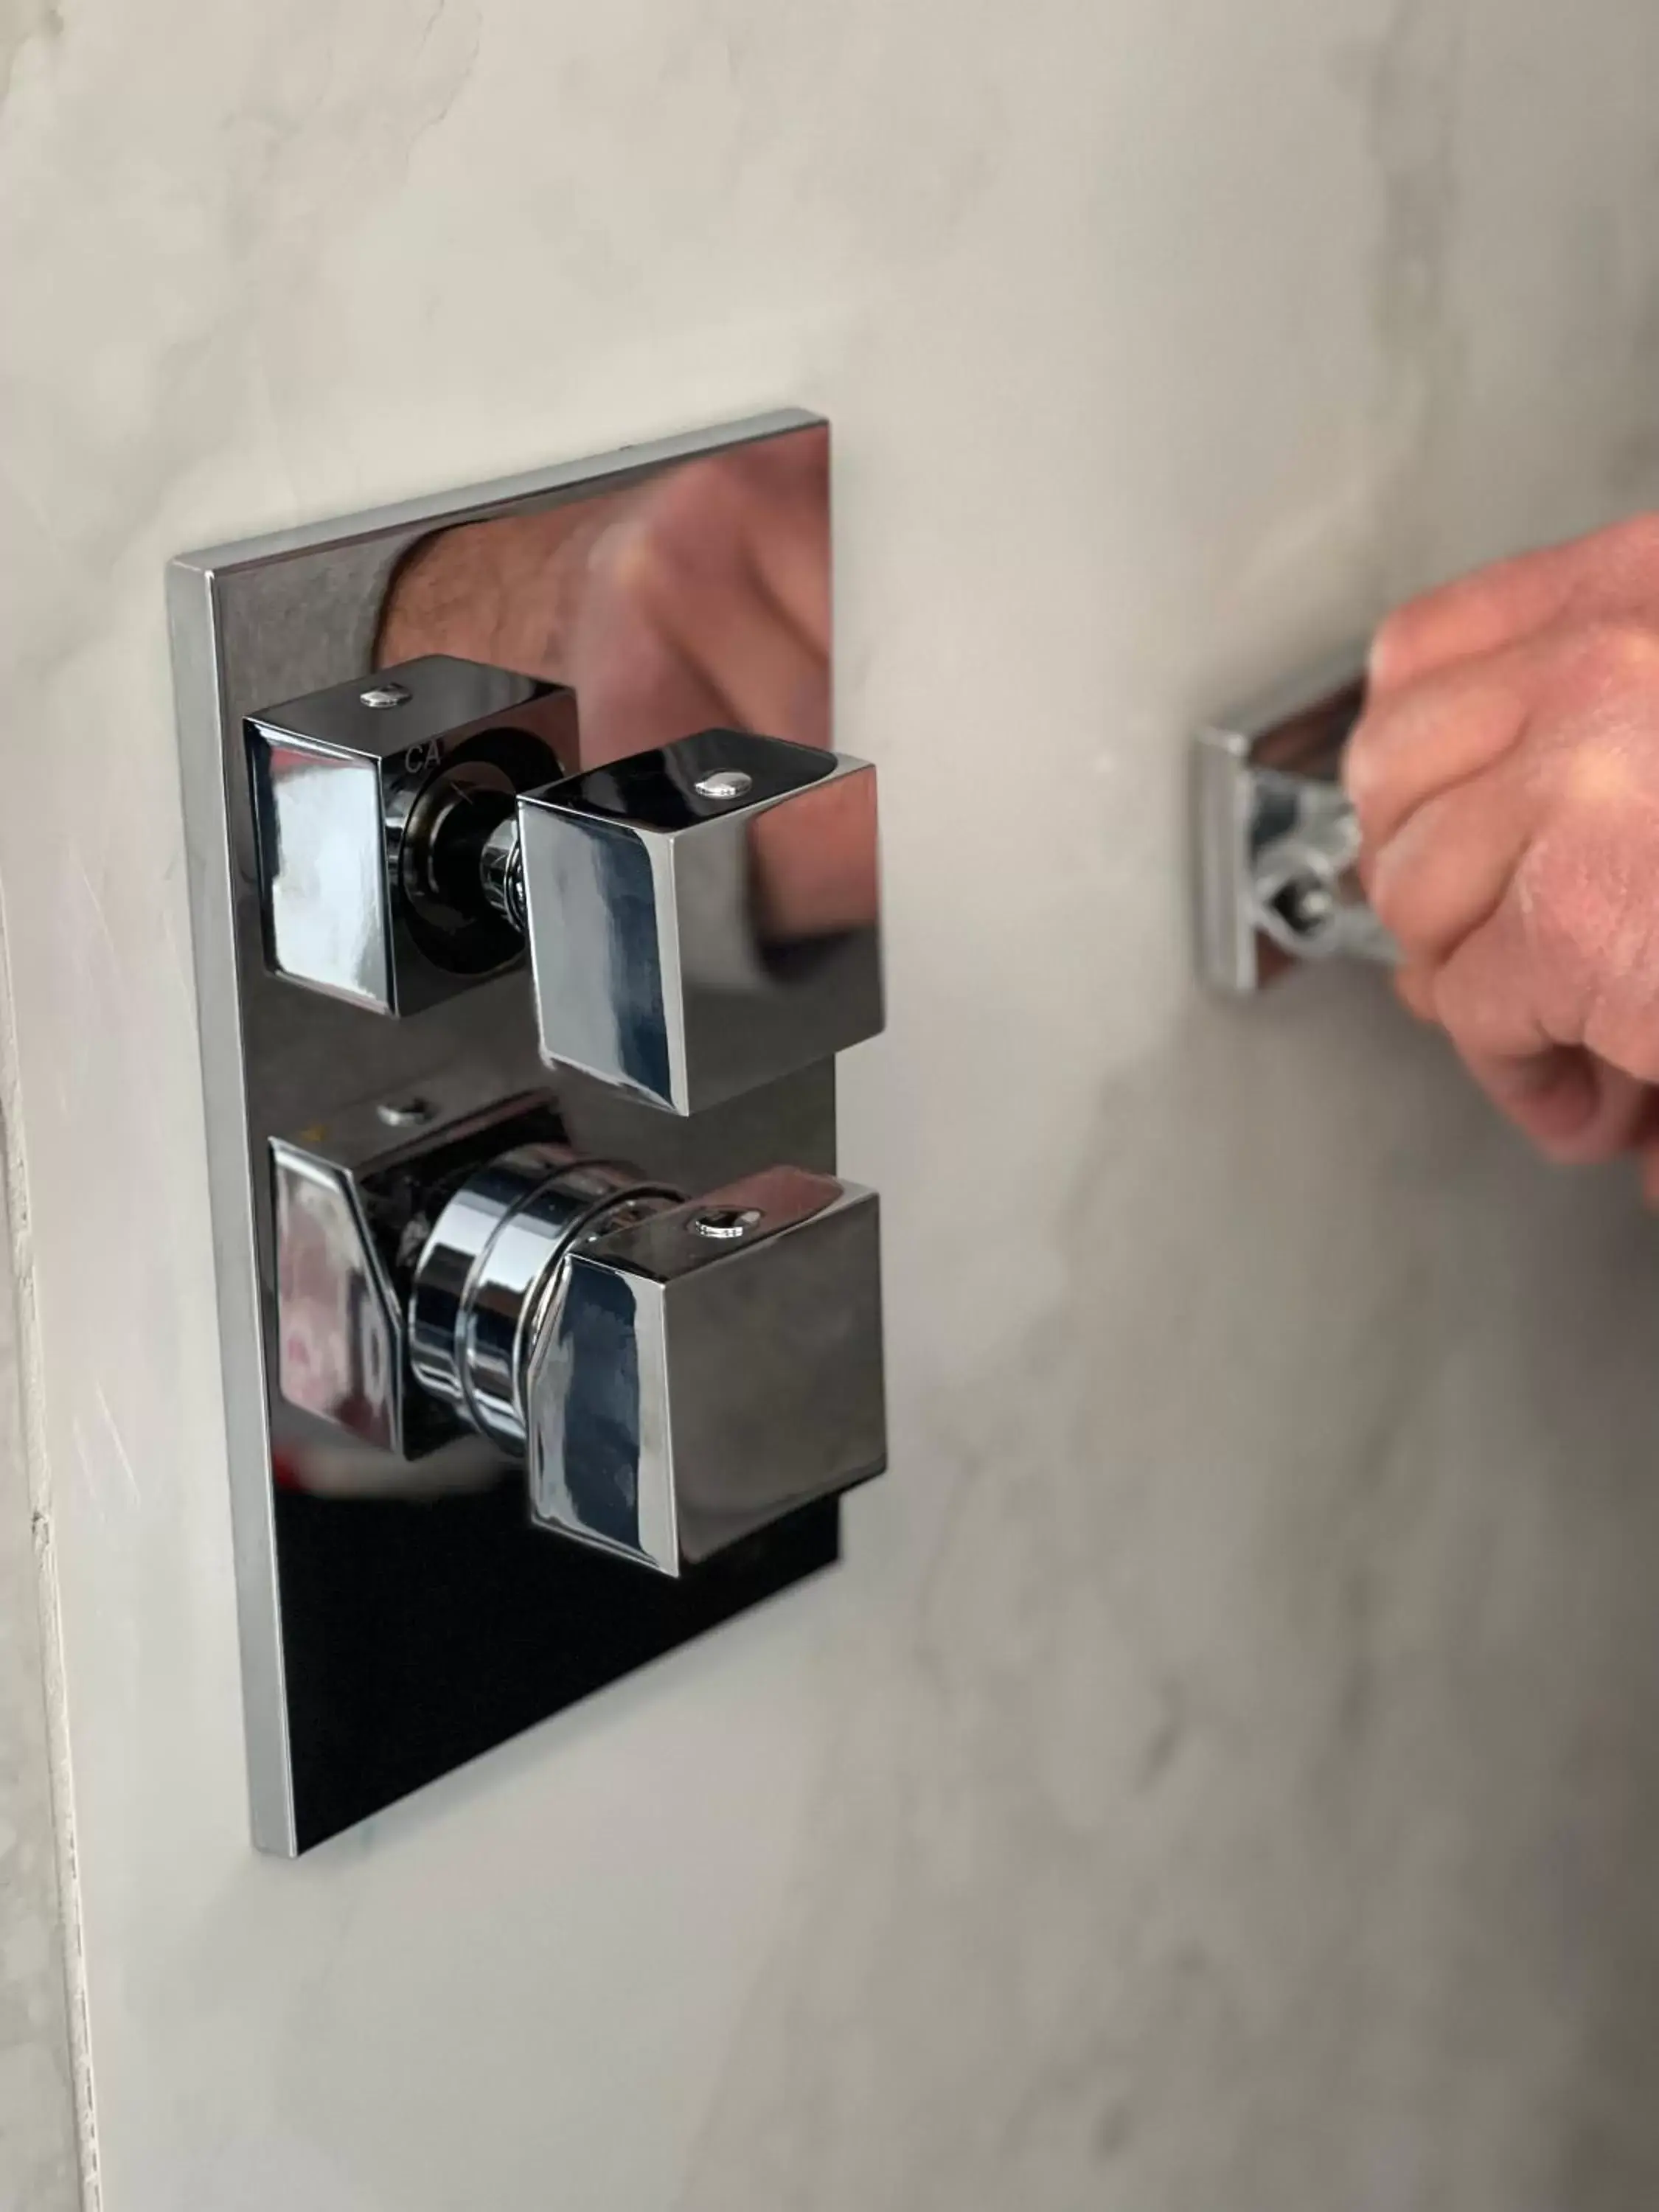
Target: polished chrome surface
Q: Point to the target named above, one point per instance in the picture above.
(1306, 892)
(682, 1372)
(491, 1263)
(363, 803)
(683, 1393)
(399, 1615)
(339, 1321)
(500, 871)
(704, 917)
(1275, 842)
(405, 1113)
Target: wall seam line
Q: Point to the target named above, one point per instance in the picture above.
(37, 1475)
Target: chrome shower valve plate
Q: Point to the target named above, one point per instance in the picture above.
(399, 1612)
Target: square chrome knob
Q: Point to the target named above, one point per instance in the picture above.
(710, 1368)
(358, 794)
(703, 918)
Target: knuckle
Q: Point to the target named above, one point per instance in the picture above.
(690, 528)
(1364, 767)
(704, 500)
(1632, 543)
(1615, 656)
(1571, 924)
(1398, 909)
(1391, 899)
(1621, 1028)
(640, 572)
(1397, 645)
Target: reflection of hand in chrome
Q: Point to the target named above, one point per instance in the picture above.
(707, 603)
(698, 599)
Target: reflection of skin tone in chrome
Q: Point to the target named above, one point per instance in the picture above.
(1506, 778)
(698, 600)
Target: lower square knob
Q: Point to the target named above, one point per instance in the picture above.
(709, 1369)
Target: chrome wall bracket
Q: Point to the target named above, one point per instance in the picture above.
(550, 1334)
(1275, 840)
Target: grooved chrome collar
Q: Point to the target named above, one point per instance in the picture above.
(490, 1268)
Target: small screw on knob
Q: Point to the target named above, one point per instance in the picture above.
(404, 1113)
(725, 783)
(725, 1223)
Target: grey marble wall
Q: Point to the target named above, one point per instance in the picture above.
(37, 2135)
(1224, 1776)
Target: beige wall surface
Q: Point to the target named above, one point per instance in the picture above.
(38, 2172)
(1225, 1770)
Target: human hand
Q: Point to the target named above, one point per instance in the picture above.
(1505, 775)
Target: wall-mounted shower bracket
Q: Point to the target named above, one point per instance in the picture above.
(1275, 838)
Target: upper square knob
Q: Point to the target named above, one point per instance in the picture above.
(371, 801)
(704, 918)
